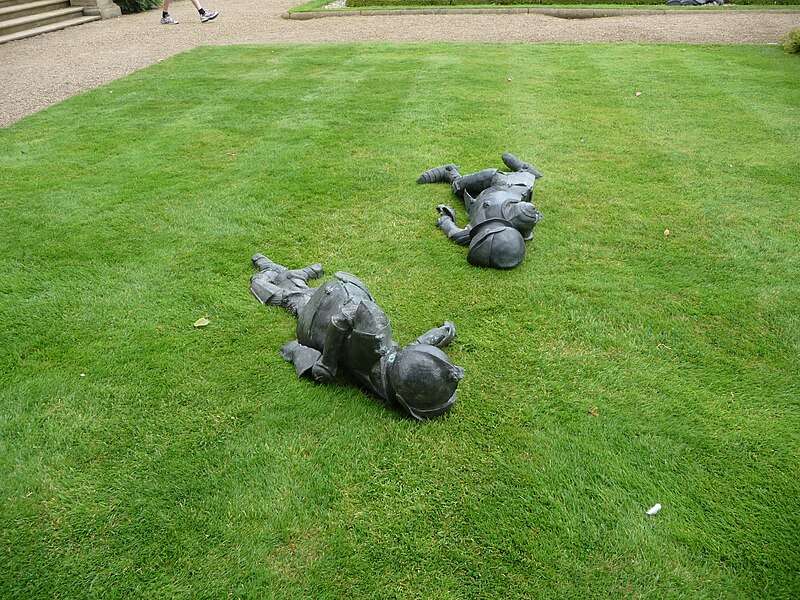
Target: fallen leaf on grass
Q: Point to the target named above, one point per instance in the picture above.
(638, 93)
(201, 322)
(593, 411)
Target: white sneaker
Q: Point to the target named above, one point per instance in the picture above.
(208, 16)
(168, 20)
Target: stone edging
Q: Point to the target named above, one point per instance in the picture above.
(561, 13)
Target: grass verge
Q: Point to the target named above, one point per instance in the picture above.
(319, 5)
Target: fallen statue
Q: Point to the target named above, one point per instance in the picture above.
(340, 326)
(502, 216)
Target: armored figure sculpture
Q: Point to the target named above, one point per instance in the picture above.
(502, 216)
(340, 326)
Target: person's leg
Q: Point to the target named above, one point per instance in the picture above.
(205, 15)
(166, 19)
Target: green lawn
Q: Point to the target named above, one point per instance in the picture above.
(318, 5)
(142, 457)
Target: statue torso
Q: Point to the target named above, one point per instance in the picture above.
(363, 347)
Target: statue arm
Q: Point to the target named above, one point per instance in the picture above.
(302, 357)
(320, 366)
(447, 223)
(325, 368)
(438, 336)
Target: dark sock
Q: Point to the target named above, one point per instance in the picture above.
(164, 15)
(202, 11)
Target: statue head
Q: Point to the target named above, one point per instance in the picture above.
(496, 243)
(423, 380)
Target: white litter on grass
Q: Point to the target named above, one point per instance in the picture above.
(654, 509)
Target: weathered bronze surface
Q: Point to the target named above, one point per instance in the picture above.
(339, 326)
(502, 215)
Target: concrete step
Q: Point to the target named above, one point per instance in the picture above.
(31, 8)
(46, 27)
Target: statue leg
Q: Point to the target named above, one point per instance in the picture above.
(267, 292)
(263, 288)
(474, 183)
(262, 263)
(276, 285)
(310, 272)
(515, 164)
(445, 173)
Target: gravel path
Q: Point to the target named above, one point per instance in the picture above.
(38, 72)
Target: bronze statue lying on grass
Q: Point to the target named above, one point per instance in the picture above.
(339, 325)
(502, 216)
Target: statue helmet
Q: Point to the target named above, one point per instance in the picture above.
(423, 380)
(523, 216)
(523, 213)
(496, 243)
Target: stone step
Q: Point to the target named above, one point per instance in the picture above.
(30, 8)
(4, 3)
(37, 20)
(53, 24)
